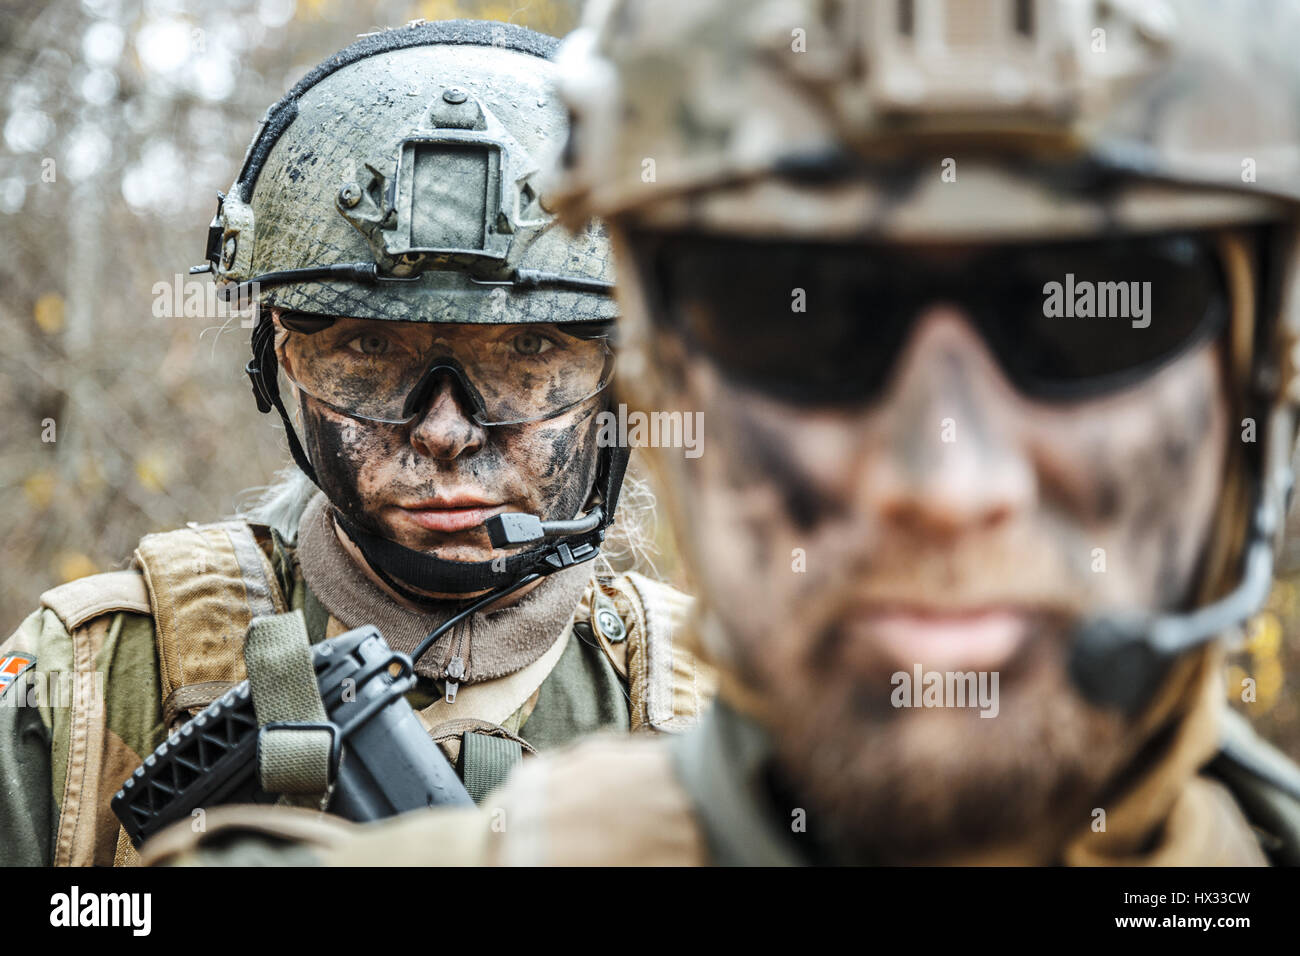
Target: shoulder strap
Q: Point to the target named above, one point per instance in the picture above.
(85, 608)
(78, 601)
(202, 585)
(482, 752)
(1265, 783)
(668, 686)
(206, 584)
(486, 761)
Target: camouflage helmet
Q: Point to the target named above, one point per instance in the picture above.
(975, 121)
(718, 110)
(397, 180)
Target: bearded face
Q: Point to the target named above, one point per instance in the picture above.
(951, 524)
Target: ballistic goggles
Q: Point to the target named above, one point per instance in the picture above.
(385, 371)
(734, 300)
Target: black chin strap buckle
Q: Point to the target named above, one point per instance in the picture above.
(585, 534)
(563, 556)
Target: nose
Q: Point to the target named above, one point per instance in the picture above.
(444, 431)
(954, 458)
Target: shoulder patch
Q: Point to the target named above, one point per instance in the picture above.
(13, 667)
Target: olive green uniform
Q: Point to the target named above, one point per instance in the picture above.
(95, 641)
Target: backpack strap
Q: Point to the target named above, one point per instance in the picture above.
(641, 625)
(482, 752)
(78, 601)
(206, 584)
(85, 609)
(1266, 785)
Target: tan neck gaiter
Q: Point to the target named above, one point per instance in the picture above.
(492, 644)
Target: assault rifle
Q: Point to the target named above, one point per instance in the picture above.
(384, 762)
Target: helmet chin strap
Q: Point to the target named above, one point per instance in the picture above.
(1119, 661)
(406, 568)
(566, 543)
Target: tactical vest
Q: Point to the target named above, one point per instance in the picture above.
(204, 584)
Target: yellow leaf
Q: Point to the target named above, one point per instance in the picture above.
(49, 313)
(1269, 678)
(39, 489)
(1264, 638)
(74, 565)
(151, 471)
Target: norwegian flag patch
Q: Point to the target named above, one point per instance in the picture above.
(14, 666)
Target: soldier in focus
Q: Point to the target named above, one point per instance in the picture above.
(449, 347)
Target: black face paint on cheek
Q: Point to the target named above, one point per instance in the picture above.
(1106, 504)
(337, 459)
(1185, 430)
(1107, 501)
(565, 454)
(761, 455)
(577, 466)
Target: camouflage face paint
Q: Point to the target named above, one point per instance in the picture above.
(956, 500)
(370, 470)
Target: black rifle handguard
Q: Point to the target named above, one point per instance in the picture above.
(387, 763)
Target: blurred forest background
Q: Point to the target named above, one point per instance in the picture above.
(119, 122)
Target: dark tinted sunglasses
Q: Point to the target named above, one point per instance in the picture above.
(1151, 299)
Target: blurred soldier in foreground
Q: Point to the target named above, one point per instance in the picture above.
(450, 347)
(990, 309)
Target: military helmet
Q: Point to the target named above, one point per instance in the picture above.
(971, 121)
(398, 181)
(718, 109)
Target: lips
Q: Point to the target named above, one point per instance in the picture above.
(975, 639)
(450, 513)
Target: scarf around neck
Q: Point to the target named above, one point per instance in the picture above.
(492, 644)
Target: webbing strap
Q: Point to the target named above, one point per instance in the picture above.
(486, 761)
(206, 583)
(277, 657)
(126, 854)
